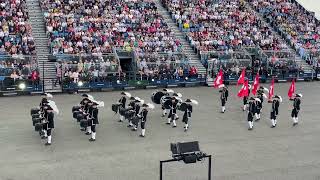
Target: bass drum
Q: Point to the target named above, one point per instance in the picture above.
(156, 97)
(182, 106)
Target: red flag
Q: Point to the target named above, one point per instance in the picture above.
(291, 89)
(242, 77)
(219, 79)
(244, 91)
(271, 90)
(255, 84)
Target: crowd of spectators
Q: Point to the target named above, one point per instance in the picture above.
(300, 27)
(161, 66)
(12, 71)
(89, 68)
(97, 26)
(220, 25)
(15, 30)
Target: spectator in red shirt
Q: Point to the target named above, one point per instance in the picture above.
(193, 72)
(35, 77)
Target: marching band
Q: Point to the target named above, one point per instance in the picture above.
(136, 111)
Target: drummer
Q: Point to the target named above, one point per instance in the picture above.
(187, 113)
(163, 107)
(172, 117)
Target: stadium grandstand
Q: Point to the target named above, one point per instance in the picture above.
(53, 45)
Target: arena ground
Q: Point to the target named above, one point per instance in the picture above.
(283, 153)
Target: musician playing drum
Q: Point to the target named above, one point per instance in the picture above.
(173, 111)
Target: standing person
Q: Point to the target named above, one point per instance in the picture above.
(132, 105)
(122, 102)
(143, 115)
(173, 111)
(260, 95)
(88, 115)
(50, 108)
(43, 103)
(94, 121)
(58, 74)
(166, 93)
(251, 112)
(275, 110)
(187, 113)
(136, 113)
(224, 98)
(296, 109)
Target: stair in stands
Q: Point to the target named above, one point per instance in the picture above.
(194, 59)
(47, 69)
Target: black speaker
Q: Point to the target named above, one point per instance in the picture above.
(192, 158)
(174, 148)
(188, 147)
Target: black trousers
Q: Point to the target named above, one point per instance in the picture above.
(223, 102)
(245, 101)
(93, 128)
(294, 113)
(273, 115)
(49, 132)
(142, 125)
(250, 116)
(258, 111)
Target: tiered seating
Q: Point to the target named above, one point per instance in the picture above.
(221, 25)
(94, 27)
(15, 31)
(299, 26)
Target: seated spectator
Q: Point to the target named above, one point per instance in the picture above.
(193, 72)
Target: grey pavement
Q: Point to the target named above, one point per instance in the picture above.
(283, 153)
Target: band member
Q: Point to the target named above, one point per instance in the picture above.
(85, 105)
(93, 120)
(122, 102)
(88, 116)
(45, 98)
(178, 97)
(296, 109)
(251, 112)
(260, 95)
(49, 126)
(187, 113)
(166, 93)
(258, 103)
(258, 106)
(275, 110)
(137, 112)
(43, 103)
(173, 111)
(224, 97)
(132, 106)
(143, 115)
